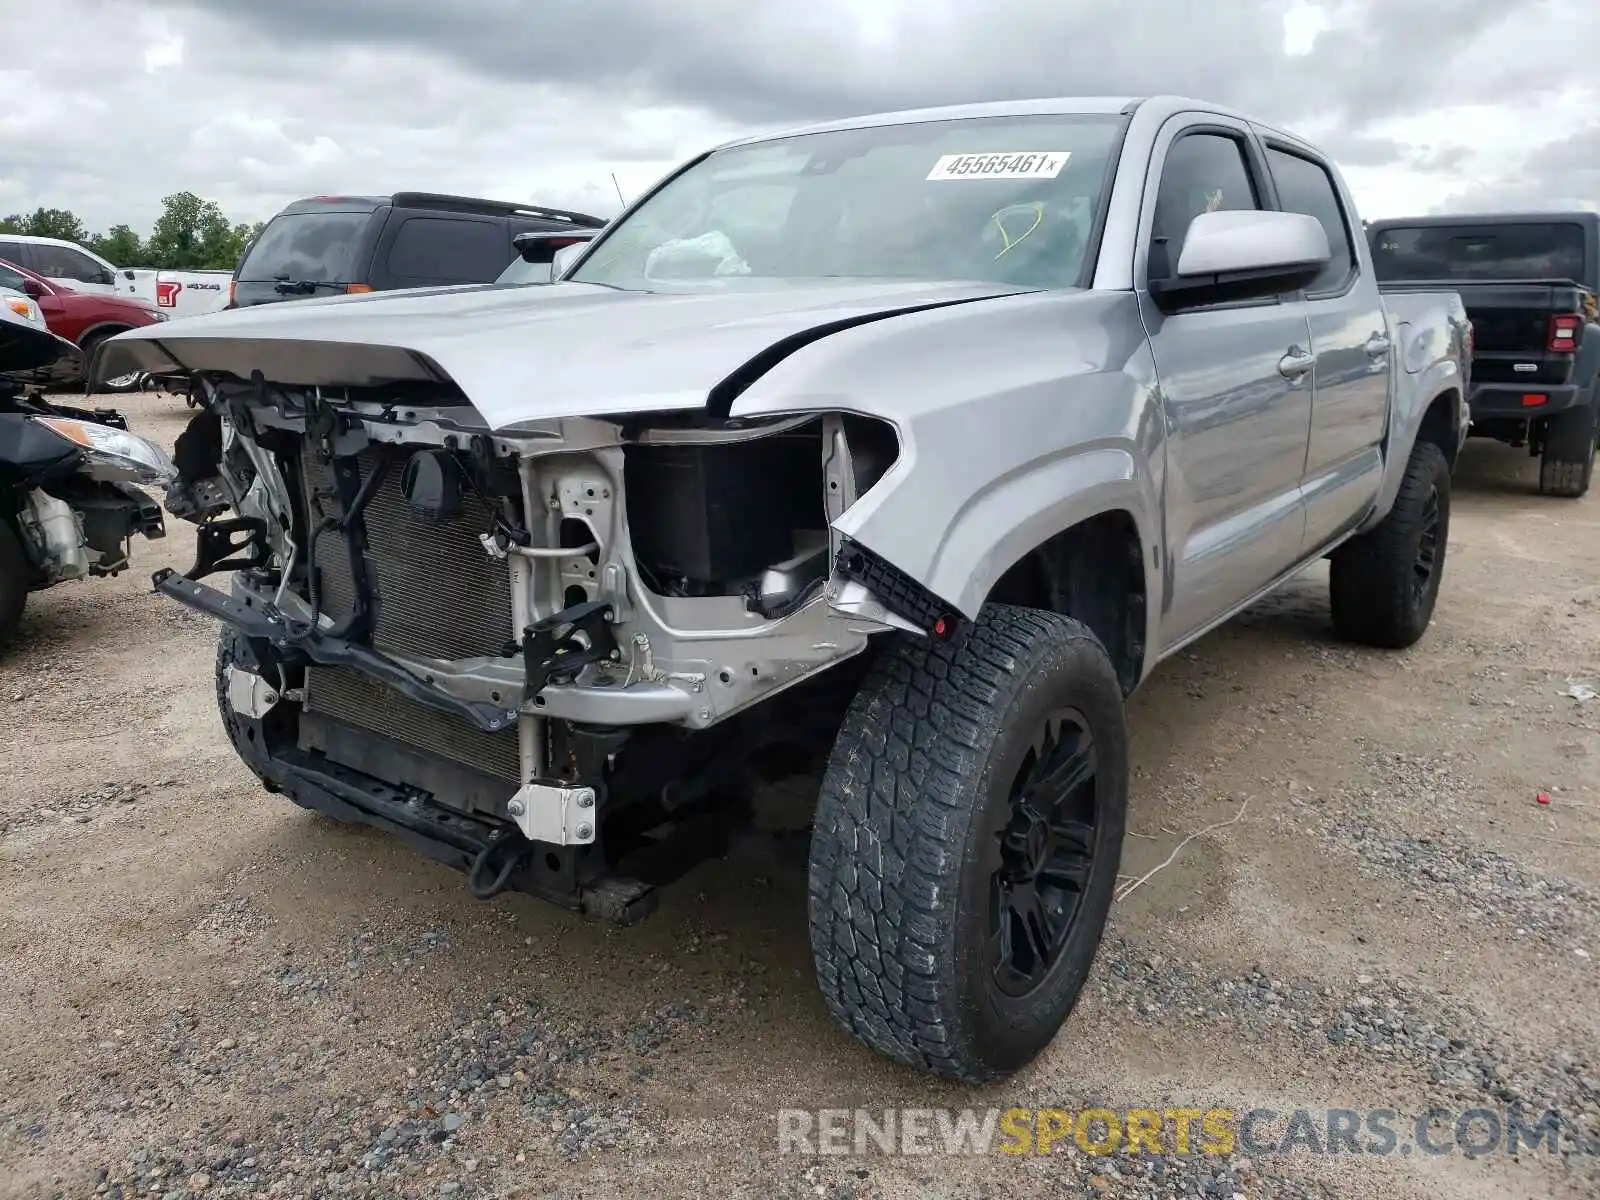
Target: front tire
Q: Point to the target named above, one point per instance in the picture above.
(14, 572)
(233, 649)
(1566, 467)
(122, 383)
(967, 840)
(1385, 582)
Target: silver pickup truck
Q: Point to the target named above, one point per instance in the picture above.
(896, 451)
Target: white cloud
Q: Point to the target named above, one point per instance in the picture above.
(1423, 102)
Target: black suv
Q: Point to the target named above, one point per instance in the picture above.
(1530, 282)
(330, 244)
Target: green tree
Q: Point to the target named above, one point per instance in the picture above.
(119, 245)
(193, 234)
(47, 222)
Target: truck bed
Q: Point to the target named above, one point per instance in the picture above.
(1510, 325)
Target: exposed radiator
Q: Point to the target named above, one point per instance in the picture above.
(351, 697)
(436, 594)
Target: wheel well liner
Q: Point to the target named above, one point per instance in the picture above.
(1439, 424)
(1094, 573)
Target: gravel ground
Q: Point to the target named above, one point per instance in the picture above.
(208, 992)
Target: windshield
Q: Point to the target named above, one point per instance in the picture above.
(1486, 252)
(996, 199)
(309, 247)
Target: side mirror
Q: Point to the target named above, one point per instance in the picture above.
(1244, 255)
(564, 258)
(32, 287)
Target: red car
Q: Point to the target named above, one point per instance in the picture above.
(84, 318)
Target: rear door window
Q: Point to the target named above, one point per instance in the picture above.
(12, 252)
(442, 250)
(307, 247)
(1465, 253)
(1306, 187)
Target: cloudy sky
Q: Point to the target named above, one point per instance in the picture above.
(108, 105)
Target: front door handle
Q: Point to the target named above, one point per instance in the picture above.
(1378, 345)
(1296, 363)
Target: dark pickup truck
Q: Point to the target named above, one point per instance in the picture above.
(1529, 281)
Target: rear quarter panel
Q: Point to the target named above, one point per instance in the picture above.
(1429, 331)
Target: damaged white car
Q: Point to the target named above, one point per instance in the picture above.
(897, 451)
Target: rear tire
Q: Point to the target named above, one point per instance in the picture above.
(14, 572)
(1385, 582)
(1567, 465)
(966, 843)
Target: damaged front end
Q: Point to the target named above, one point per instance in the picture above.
(558, 656)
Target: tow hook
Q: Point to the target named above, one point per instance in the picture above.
(496, 863)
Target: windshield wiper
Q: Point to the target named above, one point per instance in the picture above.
(291, 287)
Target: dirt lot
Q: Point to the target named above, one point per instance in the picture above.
(205, 990)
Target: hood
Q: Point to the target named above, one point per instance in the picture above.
(26, 347)
(530, 352)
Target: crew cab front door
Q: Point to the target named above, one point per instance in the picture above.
(1235, 384)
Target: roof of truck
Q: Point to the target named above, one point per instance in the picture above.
(1039, 106)
(1088, 105)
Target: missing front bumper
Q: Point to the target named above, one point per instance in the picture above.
(643, 703)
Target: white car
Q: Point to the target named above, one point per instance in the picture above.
(66, 263)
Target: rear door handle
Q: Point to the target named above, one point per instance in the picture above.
(1296, 363)
(1378, 345)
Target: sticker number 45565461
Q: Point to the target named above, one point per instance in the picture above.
(1015, 164)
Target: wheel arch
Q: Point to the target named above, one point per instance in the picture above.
(1096, 571)
(97, 333)
(1426, 409)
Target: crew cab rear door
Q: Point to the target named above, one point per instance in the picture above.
(1354, 350)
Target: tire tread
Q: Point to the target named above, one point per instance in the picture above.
(1370, 575)
(1566, 467)
(892, 822)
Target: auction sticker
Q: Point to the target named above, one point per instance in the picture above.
(1012, 164)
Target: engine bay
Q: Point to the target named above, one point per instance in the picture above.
(597, 633)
